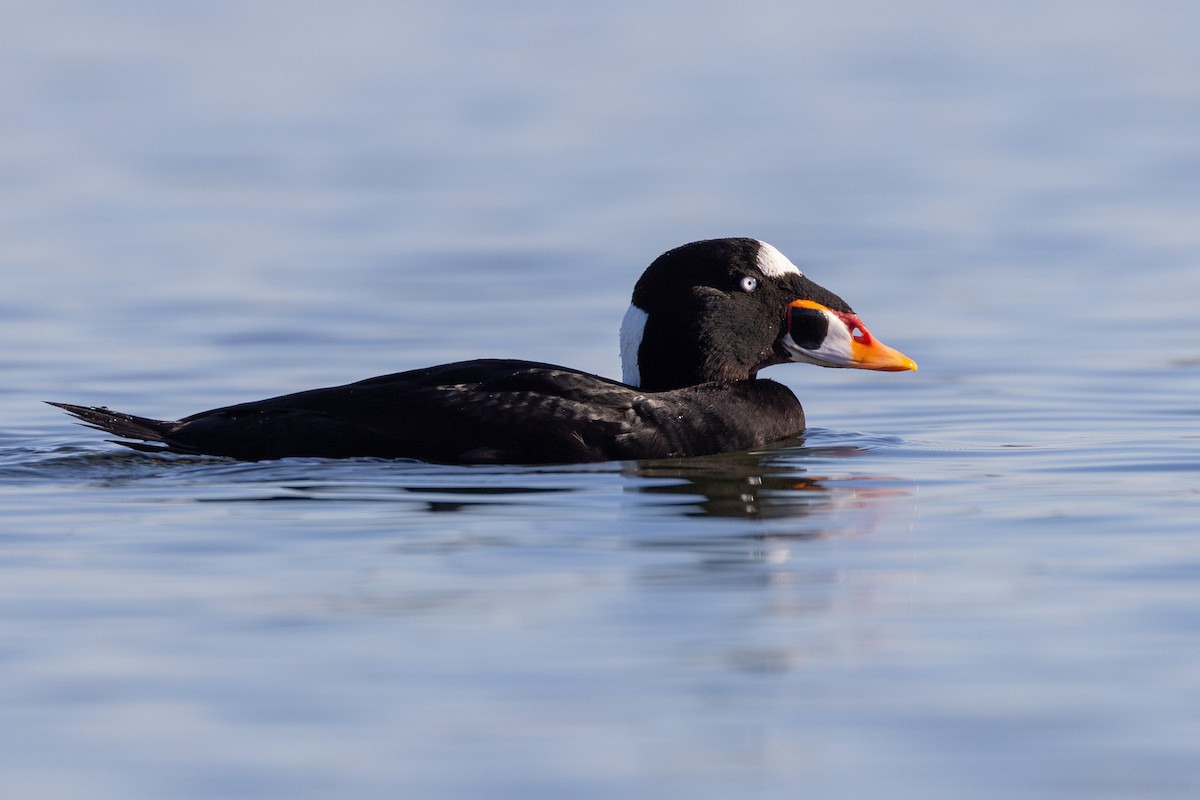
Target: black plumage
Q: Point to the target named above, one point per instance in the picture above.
(713, 318)
(487, 411)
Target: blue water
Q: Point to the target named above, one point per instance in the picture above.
(980, 580)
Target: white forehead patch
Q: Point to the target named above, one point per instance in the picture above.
(633, 327)
(773, 263)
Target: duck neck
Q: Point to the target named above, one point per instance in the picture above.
(659, 357)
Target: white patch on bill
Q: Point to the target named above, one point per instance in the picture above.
(835, 349)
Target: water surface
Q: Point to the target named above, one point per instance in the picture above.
(979, 580)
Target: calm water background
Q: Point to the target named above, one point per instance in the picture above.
(981, 580)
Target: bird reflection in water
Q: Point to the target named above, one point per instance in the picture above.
(761, 484)
(786, 496)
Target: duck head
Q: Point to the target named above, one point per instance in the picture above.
(723, 309)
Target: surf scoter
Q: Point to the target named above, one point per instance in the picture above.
(705, 318)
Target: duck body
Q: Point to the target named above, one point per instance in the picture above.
(705, 318)
(485, 411)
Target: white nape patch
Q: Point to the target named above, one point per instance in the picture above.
(633, 327)
(773, 263)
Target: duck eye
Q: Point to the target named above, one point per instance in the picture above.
(748, 283)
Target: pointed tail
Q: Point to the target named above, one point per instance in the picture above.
(127, 426)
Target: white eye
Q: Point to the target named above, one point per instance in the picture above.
(749, 283)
